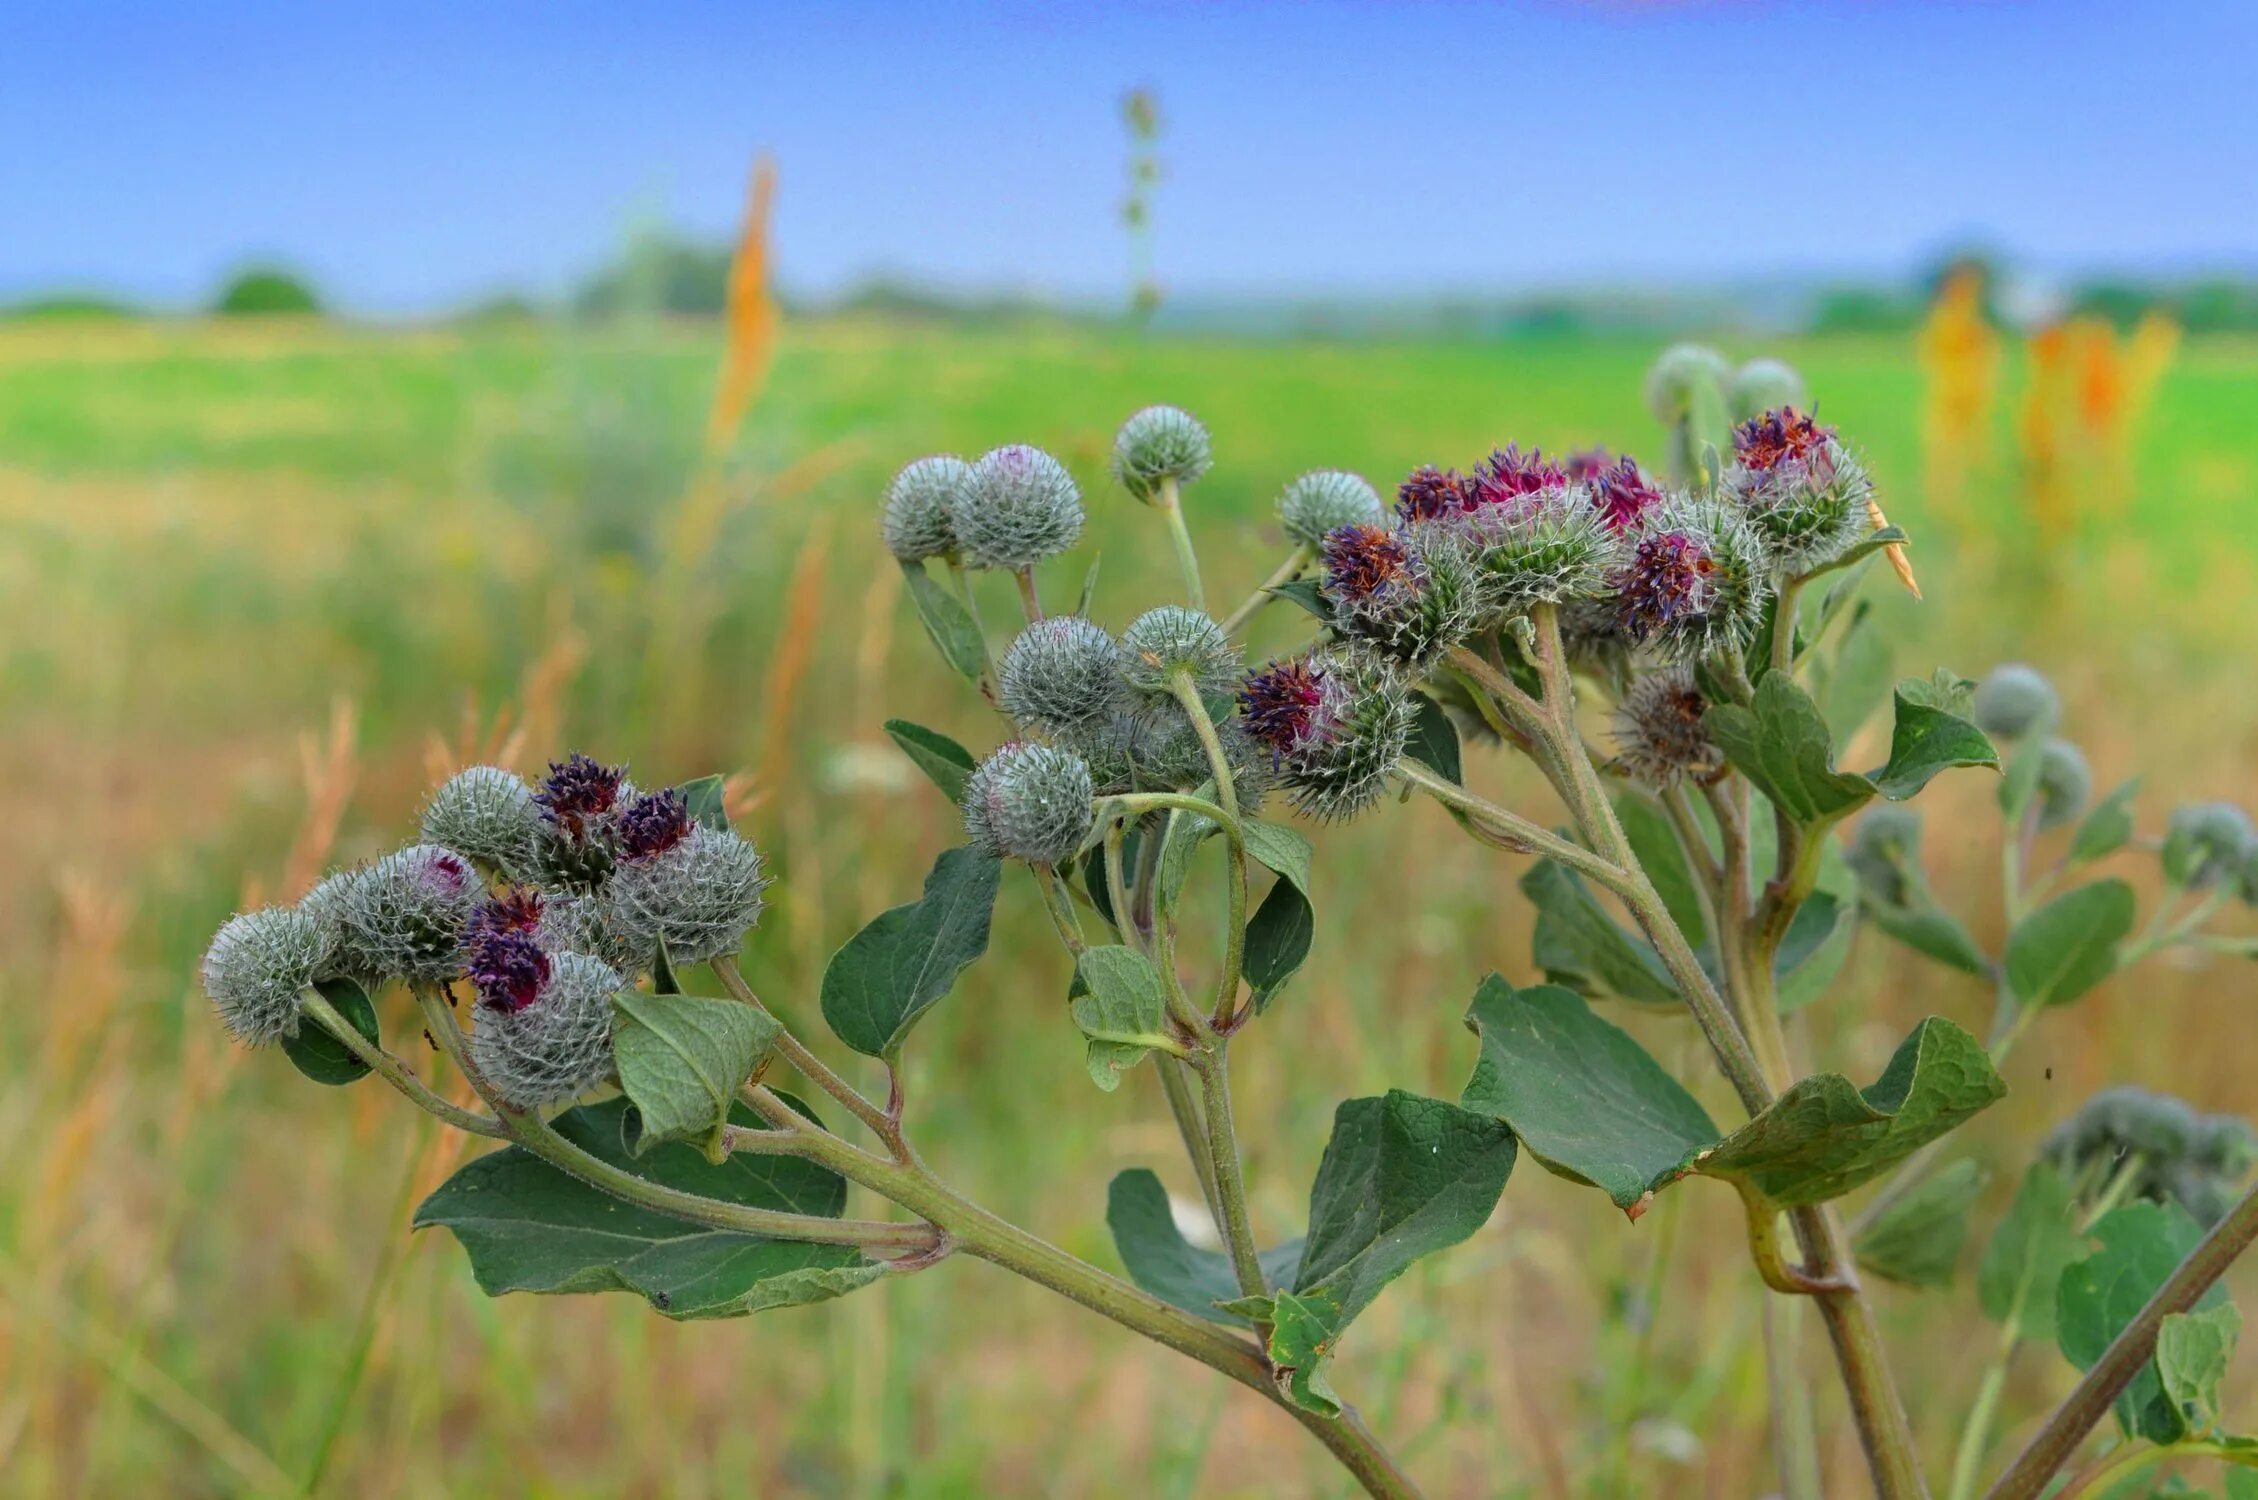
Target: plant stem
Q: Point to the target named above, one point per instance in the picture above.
(1227, 794)
(1795, 1438)
(1030, 603)
(1214, 1069)
(811, 1067)
(1171, 506)
(1292, 568)
(1522, 834)
(1783, 624)
(962, 577)
(395, 1072)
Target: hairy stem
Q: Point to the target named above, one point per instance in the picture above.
(1214, 1069)
(395, 1072)
(1296, 563)
(1227, 794)
(811, 1067)
(1171, 506)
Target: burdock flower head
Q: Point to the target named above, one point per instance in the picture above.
(557, 921)
(2209, 843)
(695, 888)
(1324, 500)
(1335, 727)
(1031, 802)
(1156, 446)
(1805, 493)
(916, 522)
(403, 917)
(488, 814)
(1622, 493)
(543, 1040)
(2065, 784)
(1062, 675)
(1659, 734)
(257, 966)
(1407, 592)
(1536, 535)
(1764, 385)
(504, 955)
(2014, 700)
(580, 803)
(1164, 644)
(1019, 507)
(1680, 376)
(1696, 581)
(1429, 494)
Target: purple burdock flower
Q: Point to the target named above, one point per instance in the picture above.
(1364, 562)
(507, 965)
(653, 824)
(1765, 442)
(1668, 578)
(579, 789)
(1587, 463)
(1429, 493)
(1284, 706)
(1623, 494)
(517, 909)
(1508, 476)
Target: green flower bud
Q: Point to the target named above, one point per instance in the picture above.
(488, 814)
(2065, 784)
(327, 906)
(1031, 802)
(1677, 374)
(916, 522)
(1325, 500)
(404, 916)
(1157, 444)
(1764, 385)
(1659, 734)
(1020, 507)
(699, 895)
(1884, 850)
(2207, 844)
(1061, 674)
(258, 965)
(2015, 700)
(1162, 644)
(556, 1047)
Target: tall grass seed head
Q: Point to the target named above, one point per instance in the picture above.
(558, 1044)
(1158, 444)
(488, 814)
(1882, 853)
(916, 522)
(1764, 385)
(1031, 802)
(1061, 675)
(2014, 700)
(1677, 374)
(2209, 843)
(2065, 784)
(1324, 500)
(1019, 508)
(699, 895)
(404, 917)
(1334, 725)
(577, 843)
(1695, 581)
(258, 965)
(1659, 734)
(1408, 593)
(1172, 641)
(1805, 493)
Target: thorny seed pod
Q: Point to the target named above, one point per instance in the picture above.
(1408, 593)
(557, 1043)
(1324, 500)
(1678, 374)
(1883, 851)
(1335, 727)
(578, 840)
(1764, 385)
(699, 893)
(2014, 700)
(1163, 644)
(1020, 507)
(2208, 843)
(488, 814)
(2065, 784)
(1031, 802)
(258, 965)
(1659, 734)
(404, 917)
(1805, 493)
(1062, 674)
(1696, 581)
(1157, 444)
(916, 522)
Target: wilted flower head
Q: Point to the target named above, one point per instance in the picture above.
(1020, 507)
(1805, 493)
(1408, 593)
(1678, 375)
(258, 965)
(404, 916)
(1163, 644)
(698, 894)
(1696, 581)
(916, 522)
(1031, 802)
(1158, 444)
(2013, 700)
(1765, 384)
(486, 813)
(1659, 734)
(1324, 500)
(1335, 727)
(557, 1044)
(1061, 674)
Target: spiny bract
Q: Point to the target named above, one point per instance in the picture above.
(1158, 444)
(920, 503)
(1031, 802)
(258, 965)
(488, 814)
(1019, 507)
(1060, 675)
(558, 1045)
(1324, 500)
(699, 895)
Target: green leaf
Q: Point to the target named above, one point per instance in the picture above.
(1917, 1239)
(1928, 739)
(1434, 739)
(707, 802)
(2022, 1266)
(2069, 945)
(1873, 542)
(1813, 950)
(1780, 743)
(891, 972)
(1302, 1335)
(2137, 1247)
(947, 763)
(948, 624)
(1164, 1263)
(1122, 1009)
(1655, 843)
(1578, 944)
(529, 1227)
(1089, 587)
(1856, 681)
(1594, 1106)
(1308, 594)
(1930, 930)
(2107, 828)
(321, 1056)
(2193, 1351)
(1588, 1102)
(1182, 833)
(681, 1060)
(1283, 927)
(1943, 689)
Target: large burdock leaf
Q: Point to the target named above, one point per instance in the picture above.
(321, 1056)
(1172, 1268)
(948, 764)
(1592, 1105)
(1578, 944)
(681, 1060)
(2136, 1249)
(892, 972)
(530, 1227)
(948, 624)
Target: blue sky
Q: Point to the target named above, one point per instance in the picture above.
(414, 155)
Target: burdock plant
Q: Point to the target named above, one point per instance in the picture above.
(1682, 659)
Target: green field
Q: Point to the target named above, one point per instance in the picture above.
(209, 537)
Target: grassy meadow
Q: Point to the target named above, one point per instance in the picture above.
(261, 584)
